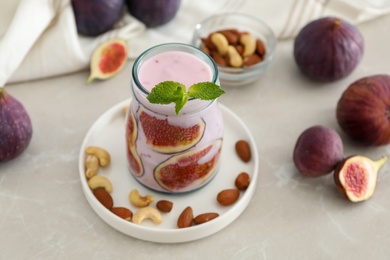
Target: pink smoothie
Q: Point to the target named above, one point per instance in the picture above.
(162, 122)
(173, 66)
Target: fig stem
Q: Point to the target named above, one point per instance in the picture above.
(90, 78)
(380, 162)
(2, 93)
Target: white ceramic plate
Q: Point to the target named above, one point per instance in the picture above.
(108, 132)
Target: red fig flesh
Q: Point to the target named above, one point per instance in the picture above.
(15, 127)
(193, 168)
(164, 137)
(328, 49)
(135, 162)
(108, 59)
(356, 177)
(317, 151)
(363, 110)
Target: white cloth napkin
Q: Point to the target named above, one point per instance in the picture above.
(38, 38)
(42, 41)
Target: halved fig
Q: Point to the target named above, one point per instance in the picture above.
(133, 158)
(356, 176)
(108, 59)
(190, 169)
(164, 137)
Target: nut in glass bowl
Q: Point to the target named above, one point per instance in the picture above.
(241, 45)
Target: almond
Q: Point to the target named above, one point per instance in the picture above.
(185, 219)
(228, 197)
(205, 49)
(207, 42)
(218, 58)
(240, 49)
(243, 151)
(164, 205)
(103, 197)
(205, 217)
(252, 60)
(122, 212)
(242, 181)
(260, 49)
(231, 35)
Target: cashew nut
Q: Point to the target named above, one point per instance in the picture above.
(234, 57)
(103, 155)
(139, 201)
(100, 181)
(91, 166)
(249, 43)
(220, 42)
(147, 213)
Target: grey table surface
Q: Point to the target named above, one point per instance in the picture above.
(44, 213)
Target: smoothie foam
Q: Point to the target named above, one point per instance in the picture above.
(173, 66)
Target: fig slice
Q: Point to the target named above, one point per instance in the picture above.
(135, 163)
(164, 137)
(190, 169)
(108, 59)
(356, 176)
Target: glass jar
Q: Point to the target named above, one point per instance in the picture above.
(167, 152)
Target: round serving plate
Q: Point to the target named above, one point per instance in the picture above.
(108, 132)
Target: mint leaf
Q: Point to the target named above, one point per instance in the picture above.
(180, 103)
(166, 92)
(180, 92)
(205, 91)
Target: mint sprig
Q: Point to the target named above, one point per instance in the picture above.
(168, 92)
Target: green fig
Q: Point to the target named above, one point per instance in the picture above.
(15, 127)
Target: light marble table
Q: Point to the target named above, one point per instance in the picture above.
(44, 213)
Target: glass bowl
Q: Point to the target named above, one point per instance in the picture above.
(229, 76)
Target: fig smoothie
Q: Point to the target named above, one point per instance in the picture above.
(167, 152)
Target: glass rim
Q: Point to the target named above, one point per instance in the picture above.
(137, 62)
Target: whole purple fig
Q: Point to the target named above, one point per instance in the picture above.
(94, 17)
(153, 12)
(15, 127)
(328, 49)
(317, 151)
(363, 110)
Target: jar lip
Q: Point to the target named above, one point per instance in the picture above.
(181, 46)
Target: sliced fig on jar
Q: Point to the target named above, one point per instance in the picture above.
(164, 137)
(189, 169)
(328, 49)
(135, 162)
(15, 127)
(108, 59)
(363, 110)
(131, 130)
(356, 177)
